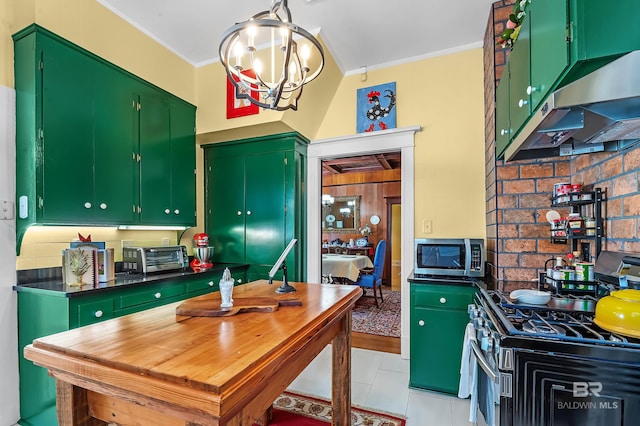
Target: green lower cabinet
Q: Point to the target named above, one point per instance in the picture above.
(41, 313)
(438, 320)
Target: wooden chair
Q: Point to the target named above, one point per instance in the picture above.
(372, 277)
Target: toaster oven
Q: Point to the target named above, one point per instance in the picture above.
(145, 260)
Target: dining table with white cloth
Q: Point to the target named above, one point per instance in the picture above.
(344, 265)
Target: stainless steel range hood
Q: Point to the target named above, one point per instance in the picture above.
(598, 112)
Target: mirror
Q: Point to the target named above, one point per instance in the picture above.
(343, 216)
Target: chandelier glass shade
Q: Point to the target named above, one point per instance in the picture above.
(327, 200)
(283, 57)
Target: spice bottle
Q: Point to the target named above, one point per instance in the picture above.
(574, 224)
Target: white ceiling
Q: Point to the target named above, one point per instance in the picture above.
(358, 33)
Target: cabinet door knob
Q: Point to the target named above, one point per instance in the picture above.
(176, 211)
(522, 103)
(239, 213)
(210, 283)
(504, 132)
(167, 211)
(531, 89)
(158, 295)
(248, 212)
(443, 300)
(87, 205)
(421, 323)
(103, 206)
(99, 314)
(239, 281)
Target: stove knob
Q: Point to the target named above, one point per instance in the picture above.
(478, 323)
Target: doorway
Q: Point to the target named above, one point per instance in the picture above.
(394, 249)
(382, 141)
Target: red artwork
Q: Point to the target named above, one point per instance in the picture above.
(239, 106)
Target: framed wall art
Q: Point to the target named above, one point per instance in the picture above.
(238, 105)
(376, 108)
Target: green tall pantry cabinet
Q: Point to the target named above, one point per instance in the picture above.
(255, 202)
(438, 318)
(96, 145)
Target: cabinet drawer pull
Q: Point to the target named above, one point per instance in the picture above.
(87, 205)
(443, 300)
(103, 206)
(176, 211)
(158, 295)
(421, 323)
(167, 211)
(248, 212)
(99, 314)
(239, 213)
(210, 283)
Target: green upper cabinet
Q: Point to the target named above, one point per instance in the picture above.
(167, 161)
(559, 42)
(255, 202)
(503, 125)
(183, 162)
(64, 140)
(549, 47)
(95, 145)
(519, 80)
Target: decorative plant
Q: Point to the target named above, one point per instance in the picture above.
(366, 231)
(510, 34)
(79, 263)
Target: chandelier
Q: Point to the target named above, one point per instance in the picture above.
(327, 200)
(284, 47)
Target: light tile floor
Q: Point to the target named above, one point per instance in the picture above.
(379, 380)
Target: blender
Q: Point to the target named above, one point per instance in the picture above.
(202, 252)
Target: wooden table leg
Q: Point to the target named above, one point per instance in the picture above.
(341, 388)
(73, 406)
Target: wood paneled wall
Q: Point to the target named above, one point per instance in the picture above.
(373, 188)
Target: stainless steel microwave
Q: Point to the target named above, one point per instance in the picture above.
(146, 260)
(454, 257)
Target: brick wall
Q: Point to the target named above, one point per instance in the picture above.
(518, 193)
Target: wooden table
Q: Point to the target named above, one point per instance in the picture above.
(344, 265)
(150, 369)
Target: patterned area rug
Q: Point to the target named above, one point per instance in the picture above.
(382, 321)
(292, 409)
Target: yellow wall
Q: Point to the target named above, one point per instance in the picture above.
(444, 95)
(6, 44)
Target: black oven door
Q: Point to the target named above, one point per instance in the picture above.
(560, 390)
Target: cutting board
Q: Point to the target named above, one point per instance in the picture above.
(211, 307)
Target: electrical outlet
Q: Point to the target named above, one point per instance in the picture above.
(6, 210)
(427, 226)
(127, 243)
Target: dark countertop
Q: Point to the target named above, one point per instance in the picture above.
(123, 279)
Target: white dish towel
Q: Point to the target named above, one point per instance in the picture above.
(469, 372)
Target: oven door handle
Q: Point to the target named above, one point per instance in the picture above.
(483, 362)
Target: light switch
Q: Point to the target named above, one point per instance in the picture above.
(426, 226)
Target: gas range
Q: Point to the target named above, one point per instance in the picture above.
(566, 318)
(551, 365)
